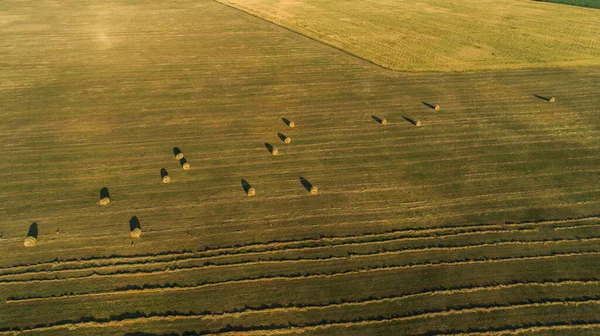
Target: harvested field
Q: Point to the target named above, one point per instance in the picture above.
(484, 220)
(444, 35)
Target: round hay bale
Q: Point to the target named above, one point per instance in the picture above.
(104, 201)
(166, 179)
(185, 166)
(314, 190)
(136, 233)
(551, 100)
(291, 124)
(30, 241)
(437, 107)
(287, 140)
(179, 156)
(383, 121)
(418, 123)
(251, 191)
(275, 151)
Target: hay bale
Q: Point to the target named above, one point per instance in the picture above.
(179, 156)
(314, 190)
(275, 151)
(418, 123)
(251, 191)
(291, 124)
(551, 100)
(136, 233)
(383, 121)
(166, 179)
(437, 107)
(185, 166)
(30, 241)
(104, 201)
(287, 140)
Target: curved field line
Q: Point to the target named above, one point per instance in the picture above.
(366, 322)
(310, 276)
(279, 249)
(314, 327)
(312, 240)
(515, 330)
(353, 255)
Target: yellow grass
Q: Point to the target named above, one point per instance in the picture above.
(444, 35)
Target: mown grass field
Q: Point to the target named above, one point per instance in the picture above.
(484, 219)
(442, 35)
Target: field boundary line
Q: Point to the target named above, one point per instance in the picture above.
(246, 11)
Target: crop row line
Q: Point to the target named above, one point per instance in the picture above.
(151, 288)
(322, 238)
(344, 255)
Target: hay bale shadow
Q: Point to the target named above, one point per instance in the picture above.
(270, 148)
(548, 99)
(33, 230)
(134, 223)
(184, 164)
(379, 120)
(431, 106)
(288, 122)
(177, 152)
(305, 183)
(164, 175)
(104, 193)
(284, 138)
(412, 121)
(246, 185)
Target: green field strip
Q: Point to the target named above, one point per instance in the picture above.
(581, 3)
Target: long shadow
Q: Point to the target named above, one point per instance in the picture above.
(163, 173)
(431, 106)
(379, 120)
(542, 97)
(269, 147)
(412, 121)
(287, 122)
(134, 223)
(176, 151)
(281, 136)
(246, 185)
(104, 193)
(305, 183)
(33, 230)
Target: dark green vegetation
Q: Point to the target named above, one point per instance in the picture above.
(461, 225)
(580, 3)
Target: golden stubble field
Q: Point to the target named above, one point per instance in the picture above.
(442, 35)
(485, 218)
